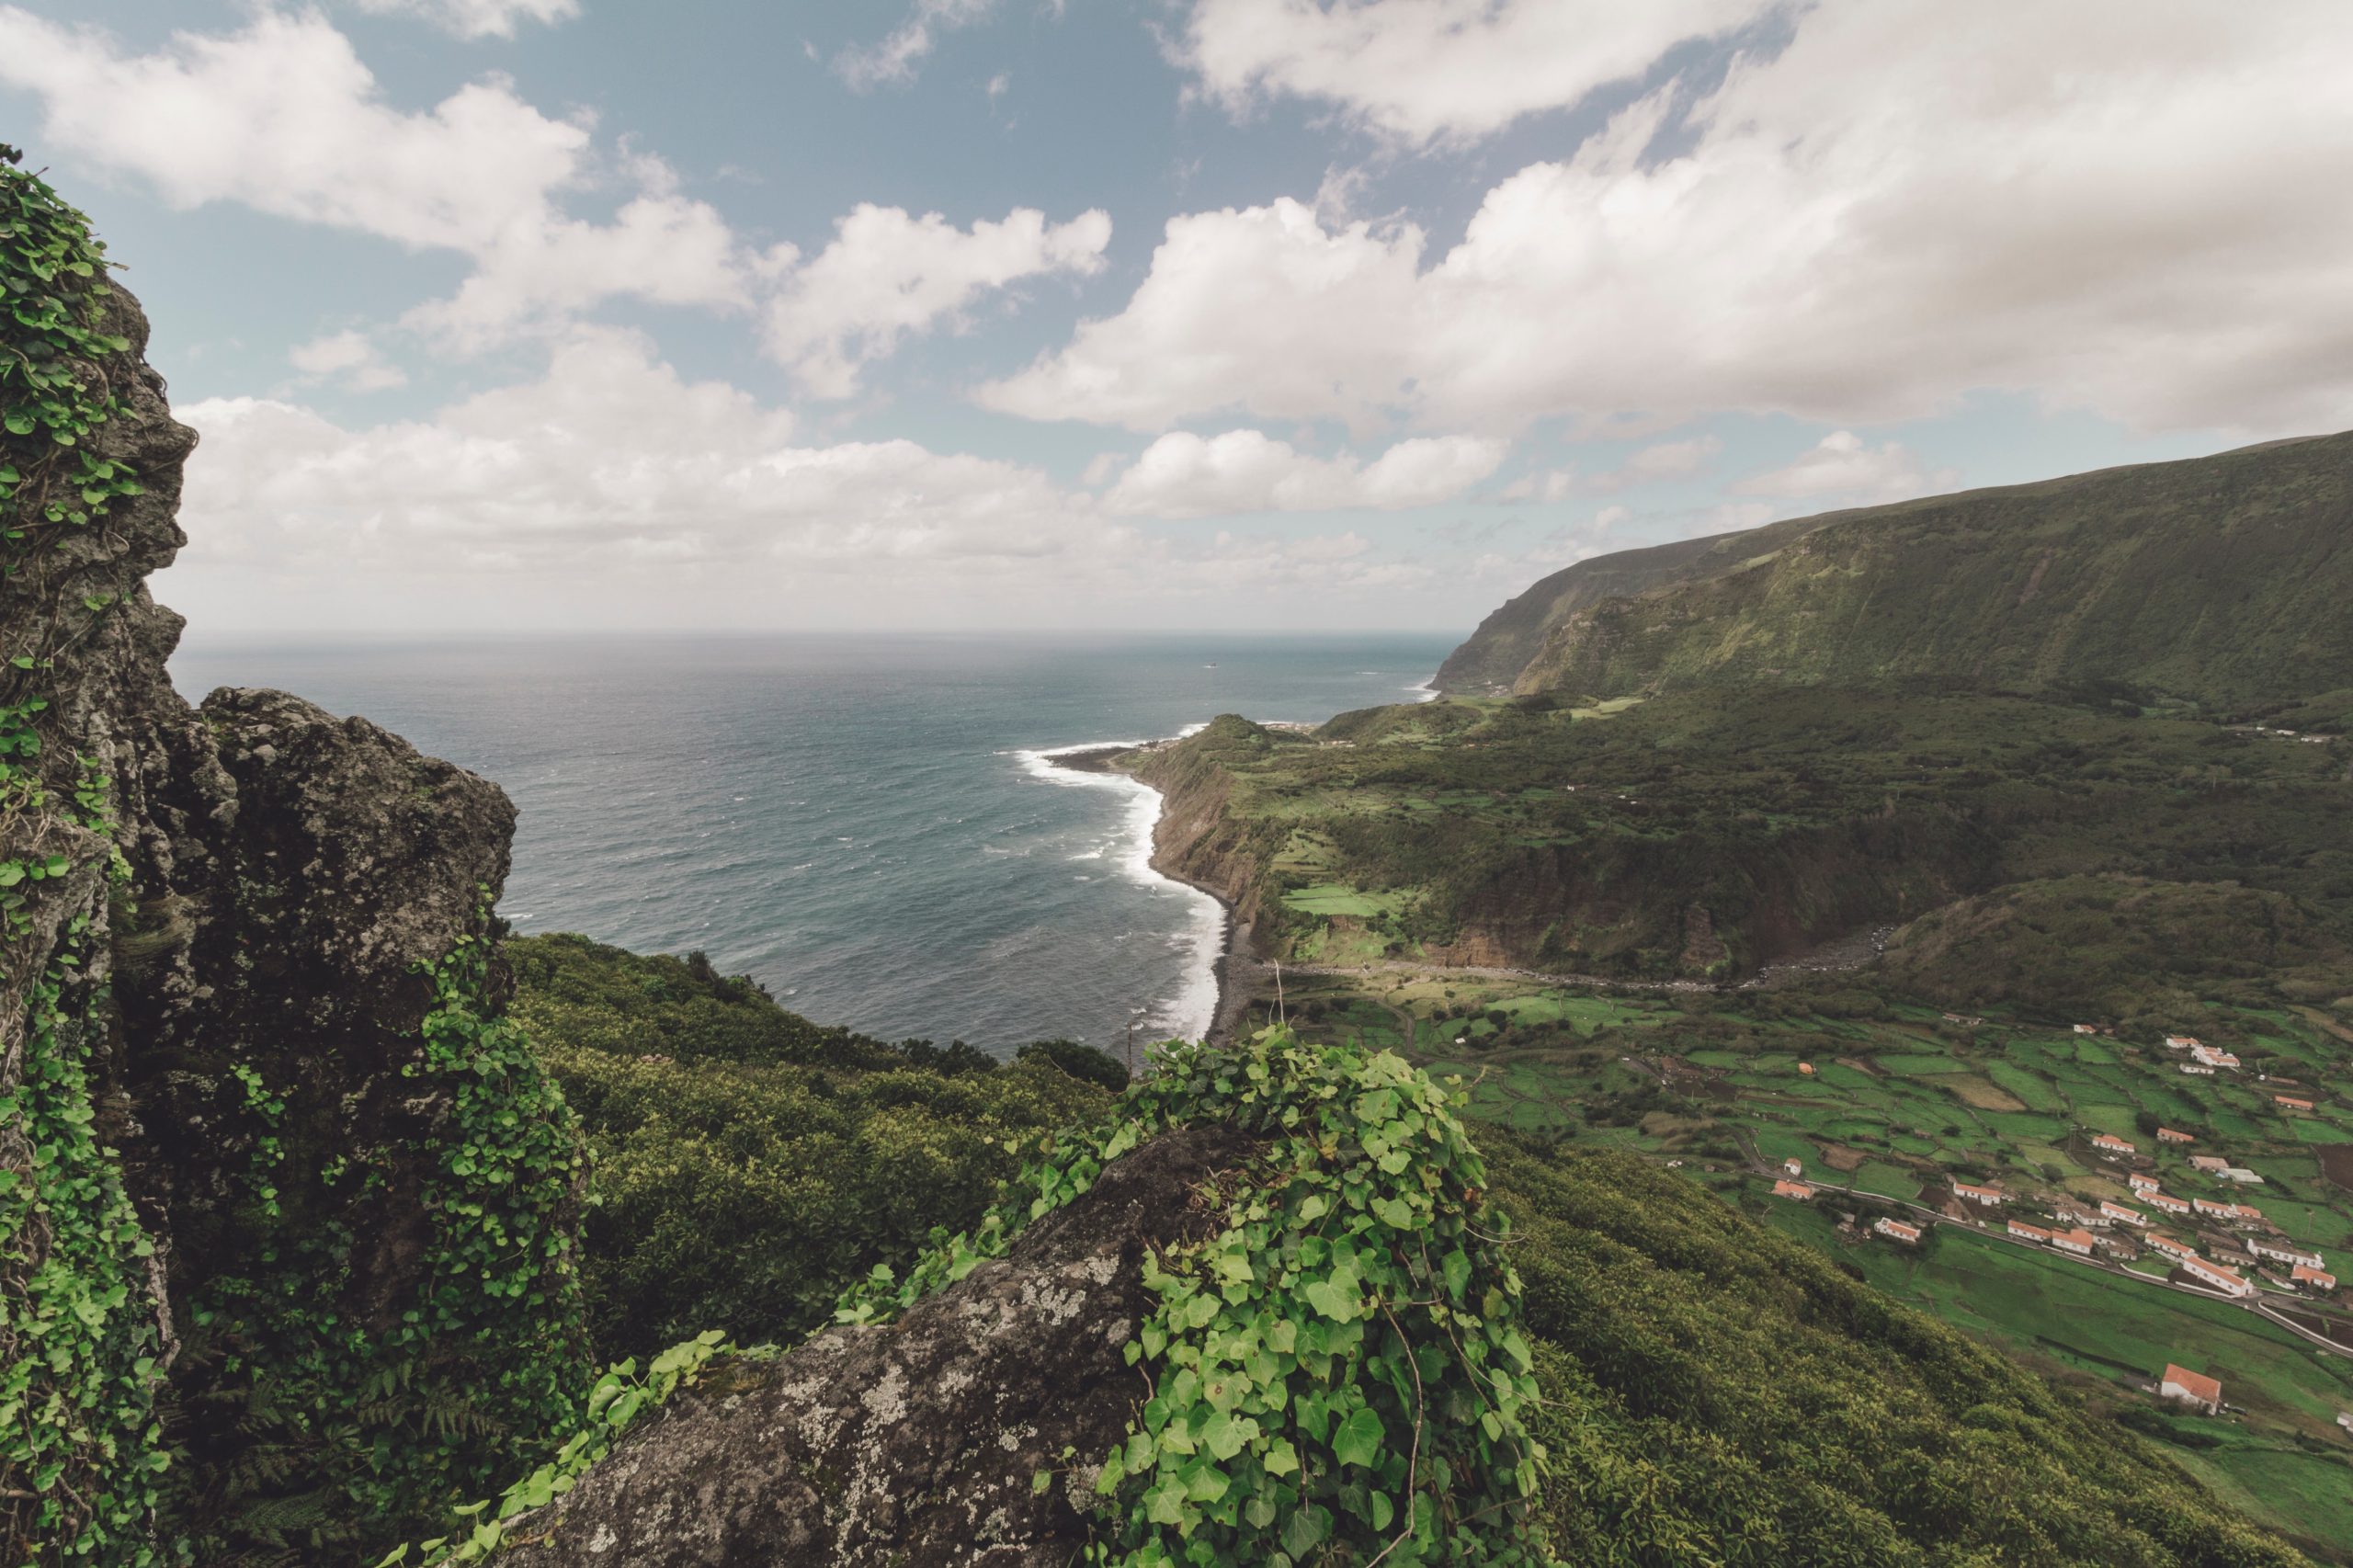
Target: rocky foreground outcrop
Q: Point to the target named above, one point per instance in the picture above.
(218, 961)
(921, 1442)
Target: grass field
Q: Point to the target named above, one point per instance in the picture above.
(1899, 1103)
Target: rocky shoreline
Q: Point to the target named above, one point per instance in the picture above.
(1237, 970)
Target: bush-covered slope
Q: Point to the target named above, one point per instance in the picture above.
(2122, 948)
(1706, 832)
(1717, 1394)
(2223, 580)
(748, 1163)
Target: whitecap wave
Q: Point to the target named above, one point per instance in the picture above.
(1187, 1014)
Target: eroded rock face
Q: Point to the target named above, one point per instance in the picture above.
(916, 1443)
(284, 873)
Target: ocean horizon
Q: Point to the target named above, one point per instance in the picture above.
(869, 824)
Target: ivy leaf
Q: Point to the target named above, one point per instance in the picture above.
(1360, 1437)
(1458, 1273)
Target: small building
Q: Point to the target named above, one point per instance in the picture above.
(2088, 1028)
(1897, 1231)
(1793, 1166)
(2241, 1175)
(2108, 1143)
(2140, 1183)
(2026, 1232)
(2182, 1042)
(2245, 1214)
(2215, 1275)
(2119, 1212)
(2310, 1278)
(2165, 1201)
(2213, 1209)
(2191, 1388)
(2081, 1219)
(1983, 1196)
(2167, 1135)
(2285, 1252)
(1805, 1069)
(2212, 1056)
(2178, 1251)
(2212, 1164)
(2289, 1102)
(2198, 1068)
(2080, 1242)
(1796, 1189)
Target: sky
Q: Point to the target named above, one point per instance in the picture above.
(585, 315)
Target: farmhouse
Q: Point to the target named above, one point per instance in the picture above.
(2218, 1276)
(2026, 1232)
(2172, 1248)
(2165, 1201)
(2167, 1135)
(1793, 1165)
(2282, 1252)
(2191, 1388)
(2313, 1278)
(2088, 1028)
(1796, 1189)
(2182, 1042)
(1805, 1069)
(2207, 1206)
(1897, 1231)
(2209, 1164)
(2140, 1183)
(2080, 1242)
(1983, 1196)
(2081, 1219)
(2119, 1212)
(2289, 1102)
(2212, 1056)
(2108, 1144)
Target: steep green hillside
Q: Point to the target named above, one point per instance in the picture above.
(2222, 581)
(2122, 947)
(748, 1164)
(1705, 833)
(1494, 656)
(1715, 1392)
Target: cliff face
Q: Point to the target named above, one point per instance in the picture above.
(230, 963)
(2215, 579)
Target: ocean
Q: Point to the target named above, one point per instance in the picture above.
(868, 825)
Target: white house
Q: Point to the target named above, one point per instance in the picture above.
(1897, 1231)
(2215, 1275)
(1983, 1196)
(2191, 1388)
(2108, 1144)
(2283, 1252)
(2080, 1242)
(2119, 1212)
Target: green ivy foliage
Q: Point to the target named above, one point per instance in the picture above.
(1338, 1375)
(80, 1452)
(80, 1448)
(346, 1437)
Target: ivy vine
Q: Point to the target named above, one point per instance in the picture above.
(81, 1452)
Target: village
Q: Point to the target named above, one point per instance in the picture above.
(2231, 1251)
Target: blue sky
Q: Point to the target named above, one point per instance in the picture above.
(575, 314)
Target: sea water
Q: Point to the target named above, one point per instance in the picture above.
(869, 825)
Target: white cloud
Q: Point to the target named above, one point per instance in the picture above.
(609, 456)
(2129, 206)
(893, 62)
(888, 274)
(1185, 475)
(477, 18)
(350, 357)
(1423, 69)
(284, 118)
(1842, 464)
(1661, 459)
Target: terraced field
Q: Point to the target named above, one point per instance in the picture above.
(1898, 1102)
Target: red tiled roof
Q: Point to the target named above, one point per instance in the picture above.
(2198, 1385)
